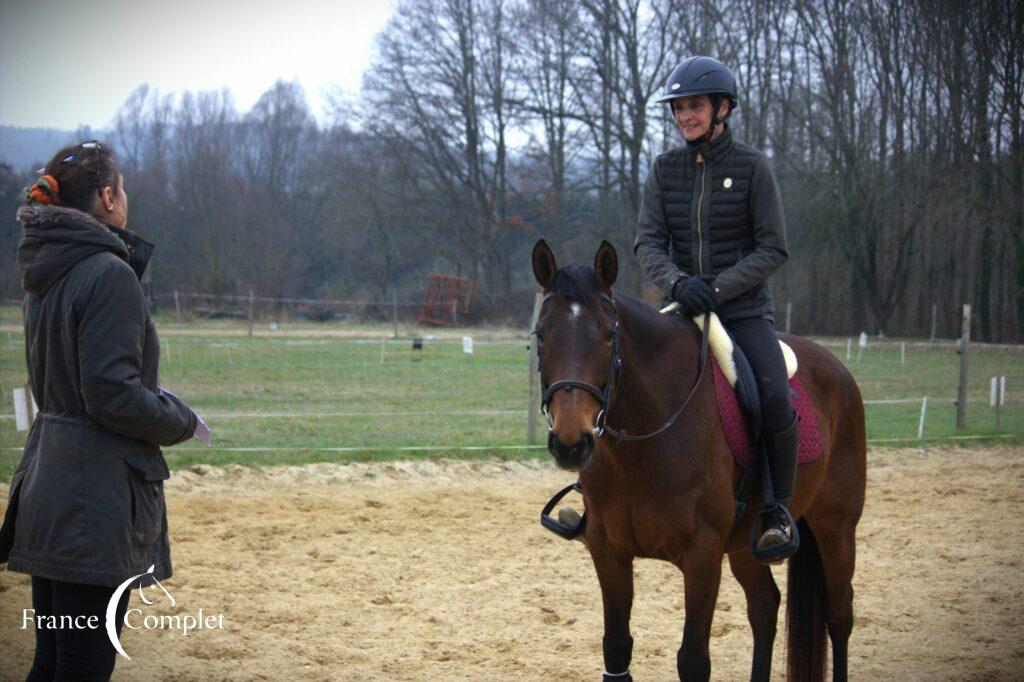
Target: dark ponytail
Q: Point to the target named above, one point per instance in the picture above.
(79, 171)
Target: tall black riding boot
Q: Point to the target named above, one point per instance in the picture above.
(782, 452)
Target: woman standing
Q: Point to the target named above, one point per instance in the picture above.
(710, 232)
(86, 509)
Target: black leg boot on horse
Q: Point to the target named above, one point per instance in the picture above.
(778, 540)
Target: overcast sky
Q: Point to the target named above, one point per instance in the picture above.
(65, 63)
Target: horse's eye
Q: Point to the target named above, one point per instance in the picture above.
(540, 337)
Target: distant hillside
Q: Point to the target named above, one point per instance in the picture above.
(25, 148)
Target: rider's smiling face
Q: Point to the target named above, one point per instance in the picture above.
(693, 115)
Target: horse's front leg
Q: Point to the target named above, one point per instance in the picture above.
(615, 573)
(702, 572)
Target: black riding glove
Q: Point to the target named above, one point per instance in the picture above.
(695, 295)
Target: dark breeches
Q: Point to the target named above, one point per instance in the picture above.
(756, 338)
(74, 653)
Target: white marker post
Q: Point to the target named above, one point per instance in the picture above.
(21, 419)
(903, 352)
(997, 395)
(920, 424)
(1002, 395)
(467, 347)
(849, 344)
(862, 343)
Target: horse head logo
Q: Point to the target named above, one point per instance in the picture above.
(115, 599)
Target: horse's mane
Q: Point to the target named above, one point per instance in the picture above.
(579, 282)
(657, 327)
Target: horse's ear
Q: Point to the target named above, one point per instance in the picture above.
(544, 267)
(606, 265)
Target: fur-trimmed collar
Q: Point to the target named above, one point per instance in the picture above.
(55, 239)
(42, 216)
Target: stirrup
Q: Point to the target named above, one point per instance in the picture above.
(565, 526)
(777, 553)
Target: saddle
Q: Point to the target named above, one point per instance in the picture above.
(739, 402)
(739, 408)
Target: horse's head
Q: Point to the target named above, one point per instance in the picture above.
(577, 338)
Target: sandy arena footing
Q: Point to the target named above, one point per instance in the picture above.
(440, 571)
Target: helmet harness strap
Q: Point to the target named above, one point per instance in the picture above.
(716, 103)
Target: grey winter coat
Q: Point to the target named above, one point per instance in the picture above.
(715, 209)
(86, 503)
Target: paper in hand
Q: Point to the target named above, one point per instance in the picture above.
(203, 431)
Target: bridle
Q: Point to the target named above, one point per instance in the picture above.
(604, 394)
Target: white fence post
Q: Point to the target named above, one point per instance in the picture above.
(21, 418)
(920, 424)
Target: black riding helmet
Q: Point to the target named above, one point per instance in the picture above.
(702, 76)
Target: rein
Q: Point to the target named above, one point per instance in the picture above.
(604, 394)
(622, 435)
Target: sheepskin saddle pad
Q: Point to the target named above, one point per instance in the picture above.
(739, 405)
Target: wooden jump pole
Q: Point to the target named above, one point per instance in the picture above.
(531, 419)
(394, 315)
(961, 394)
(252, 305)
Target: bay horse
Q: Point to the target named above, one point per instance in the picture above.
(670, 496)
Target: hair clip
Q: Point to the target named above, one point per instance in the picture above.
(91, 145)
(68, 159)
(40, 171)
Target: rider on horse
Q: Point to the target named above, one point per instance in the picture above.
(710, 232)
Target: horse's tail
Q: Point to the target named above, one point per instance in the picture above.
(805, 611)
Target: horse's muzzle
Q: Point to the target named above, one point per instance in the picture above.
(574, 456)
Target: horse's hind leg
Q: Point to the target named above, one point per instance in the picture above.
(837, 546)
(702, 573)
(615, 573)
(762, 609)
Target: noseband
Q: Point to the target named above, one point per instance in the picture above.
(604, 394)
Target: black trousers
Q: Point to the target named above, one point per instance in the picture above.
(756, 338)
(67, 652)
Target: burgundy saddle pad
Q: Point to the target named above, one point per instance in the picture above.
(734, 422)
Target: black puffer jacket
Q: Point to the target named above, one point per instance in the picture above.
(86, 503)
(714, 209)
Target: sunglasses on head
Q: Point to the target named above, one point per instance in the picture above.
(91, 144)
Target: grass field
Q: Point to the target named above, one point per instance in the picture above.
(308, 392)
